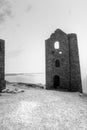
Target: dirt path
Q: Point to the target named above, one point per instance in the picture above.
(38, 109)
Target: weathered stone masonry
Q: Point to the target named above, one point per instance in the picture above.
(2, 65)
(62, 64)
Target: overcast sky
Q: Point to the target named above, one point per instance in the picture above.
(26, 24)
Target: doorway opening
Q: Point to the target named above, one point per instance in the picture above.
(56, 82)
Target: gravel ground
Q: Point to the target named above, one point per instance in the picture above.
(39, 109)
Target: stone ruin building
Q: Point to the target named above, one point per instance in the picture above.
(2, 65)
(62, 62)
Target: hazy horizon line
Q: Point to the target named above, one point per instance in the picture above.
(22, 73)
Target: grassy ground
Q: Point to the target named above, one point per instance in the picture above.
(39, 109)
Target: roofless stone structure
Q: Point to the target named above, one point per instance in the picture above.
(2, 65)
(62, 62)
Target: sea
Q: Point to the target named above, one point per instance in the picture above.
(35, 78)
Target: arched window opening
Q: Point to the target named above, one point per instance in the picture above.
(56, 45)
(0, 48)
(60, 52)
(56, 81)
(57, 63)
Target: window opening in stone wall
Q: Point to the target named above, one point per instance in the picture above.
(56, 45)
(56, 81)
(60, 52)
(57, 63)
(0, 48)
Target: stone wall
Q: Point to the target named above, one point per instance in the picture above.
(67, 55)
(2, 65)
(61, 54)
(75, 75)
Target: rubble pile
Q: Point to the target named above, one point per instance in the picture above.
(14, 91)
